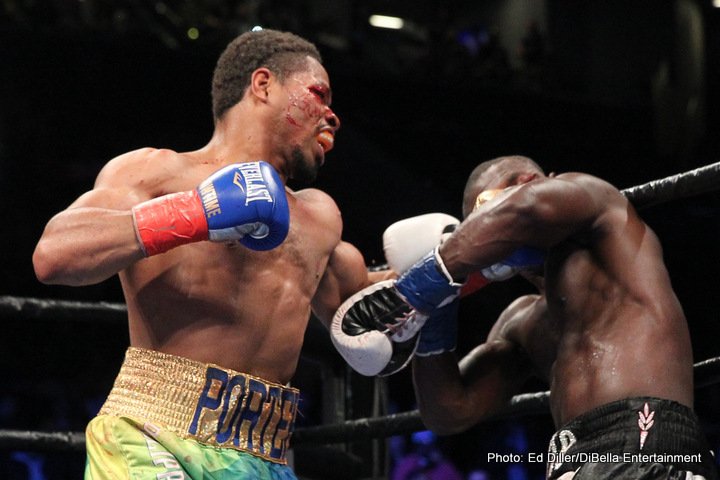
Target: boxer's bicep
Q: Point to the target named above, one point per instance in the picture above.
(344, 275)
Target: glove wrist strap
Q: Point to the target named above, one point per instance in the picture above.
(166, 222)
(425, 286)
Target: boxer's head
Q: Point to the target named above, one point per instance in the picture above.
(282, 53)
(497, 174)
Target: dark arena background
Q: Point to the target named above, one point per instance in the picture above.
(623, 89)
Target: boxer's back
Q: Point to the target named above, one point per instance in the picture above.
(621, 330)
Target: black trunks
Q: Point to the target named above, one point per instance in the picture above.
(634, 438)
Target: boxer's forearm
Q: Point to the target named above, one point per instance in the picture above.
(453, 397)
(440, 394)
(476, 244)
(84, 246)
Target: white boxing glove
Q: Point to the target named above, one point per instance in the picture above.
(407, 241)
(375, 330)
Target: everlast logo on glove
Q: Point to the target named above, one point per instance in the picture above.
(251, 181)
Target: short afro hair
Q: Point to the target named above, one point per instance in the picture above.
(281, 52)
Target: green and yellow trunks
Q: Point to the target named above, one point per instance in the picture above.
(169, 417)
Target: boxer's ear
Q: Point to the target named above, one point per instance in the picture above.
(260, 80)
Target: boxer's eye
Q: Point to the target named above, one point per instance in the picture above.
(319, 92)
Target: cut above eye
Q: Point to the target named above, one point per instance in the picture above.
(318, 92)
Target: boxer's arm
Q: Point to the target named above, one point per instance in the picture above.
(453, 396)
(539, 214)
(94, 237)
(345, 274)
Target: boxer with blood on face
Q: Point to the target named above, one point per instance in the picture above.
(221, 265)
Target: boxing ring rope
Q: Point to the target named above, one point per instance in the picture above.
(38, 308)
(695, 182)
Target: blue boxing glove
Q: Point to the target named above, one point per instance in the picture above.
(439, 333)
(427, 285)
(243, 201)
(246, 202)
(523, 258)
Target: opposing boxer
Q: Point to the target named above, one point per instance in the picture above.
(606, 330)
(220, 264)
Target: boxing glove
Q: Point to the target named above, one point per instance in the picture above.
(439, 331)
(376, 330)
(370, 330)
(428, 287)
(244, 201)
(523, 258)
(407, 240)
